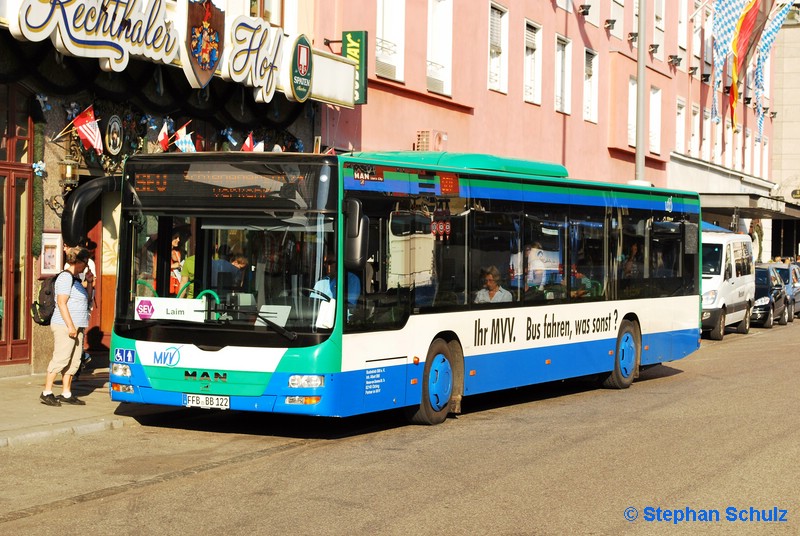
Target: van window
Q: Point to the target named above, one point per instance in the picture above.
(712, 259)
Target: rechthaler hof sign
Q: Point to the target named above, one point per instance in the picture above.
(243, 49)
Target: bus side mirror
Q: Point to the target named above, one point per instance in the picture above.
(356, 228)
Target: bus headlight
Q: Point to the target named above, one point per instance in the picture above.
(709, 297)
(118, 369)
(306, 380)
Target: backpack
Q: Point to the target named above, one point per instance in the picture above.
(42, 310)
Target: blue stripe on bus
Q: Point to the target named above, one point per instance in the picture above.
(362, 391)
(656, 201)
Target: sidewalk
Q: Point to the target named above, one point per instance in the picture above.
(26, 420)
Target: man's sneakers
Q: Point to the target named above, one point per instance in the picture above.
(72, 400)
(52, 400)
(49, 400)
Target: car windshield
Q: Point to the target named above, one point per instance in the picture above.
(762, 277)
(784, 273)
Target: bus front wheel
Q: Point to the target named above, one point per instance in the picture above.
(437, 386)
(626, 359)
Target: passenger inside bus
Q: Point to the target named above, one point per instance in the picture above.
(492, 291)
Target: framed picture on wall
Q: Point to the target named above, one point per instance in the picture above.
(52, 247)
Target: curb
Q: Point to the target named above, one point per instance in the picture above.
(82, 428)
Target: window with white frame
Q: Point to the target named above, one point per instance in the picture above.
(390, 39)
(658, 26)
(269, 10)
(563, 78)
(532, 92)
(705, 139)
(767, 77)
(748, 151)
(708, 42)
(683, 27)
(757, 159)
(498, 48)
(694, 139)
(680, 127)
(655, 120)
(440, 46)
(564, 4)
(590, 89)
(717, 132)
(728, 144)
(765, 158)
(632, 111)
(618, 16)
(737, 155)
(697, 33)
(635, 42)
(594, 11)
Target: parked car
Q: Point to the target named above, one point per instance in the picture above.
(771, 300)
(728, 282)
(790, 273)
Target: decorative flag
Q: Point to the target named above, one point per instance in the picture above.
(259, 147)
(183, 141)
(163, 137)
(748, 32)
(764, 48)
(88, 131)
(726, 13)
(248, 143)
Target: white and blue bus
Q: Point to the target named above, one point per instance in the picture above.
(410, 236)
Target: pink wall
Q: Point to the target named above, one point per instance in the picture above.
(479, 120)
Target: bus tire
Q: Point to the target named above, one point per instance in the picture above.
(437, 386)
(626, 358)
(718, 332)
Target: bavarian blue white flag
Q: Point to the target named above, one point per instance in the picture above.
(726, 15)
(183, 141)
(763, 50)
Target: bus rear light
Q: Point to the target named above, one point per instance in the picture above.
(302, 400)
(120, 388)
(118, 369)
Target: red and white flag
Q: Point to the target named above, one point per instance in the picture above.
(88, 131)
(248, 143)
(163, 137)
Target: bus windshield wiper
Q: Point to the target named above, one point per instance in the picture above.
(223, 310)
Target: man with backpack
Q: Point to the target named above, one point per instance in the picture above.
(70, 319)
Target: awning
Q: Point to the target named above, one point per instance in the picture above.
(749, 205)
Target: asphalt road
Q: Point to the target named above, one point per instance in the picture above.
(716, 432)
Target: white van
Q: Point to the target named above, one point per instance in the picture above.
(729, 282)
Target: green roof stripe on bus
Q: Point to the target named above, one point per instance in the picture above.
(463, 161)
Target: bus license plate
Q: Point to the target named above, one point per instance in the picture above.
(206, 401)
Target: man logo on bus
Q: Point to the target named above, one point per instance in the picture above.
(145, 309)
(169, 357)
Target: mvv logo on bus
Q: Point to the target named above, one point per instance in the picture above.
(169, 357)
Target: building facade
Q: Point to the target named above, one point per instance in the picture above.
(557, 81)
(225, 70)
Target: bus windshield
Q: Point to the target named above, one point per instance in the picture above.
(260, 269)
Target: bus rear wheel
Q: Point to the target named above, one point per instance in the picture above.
(437, 386)
(627, 357)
